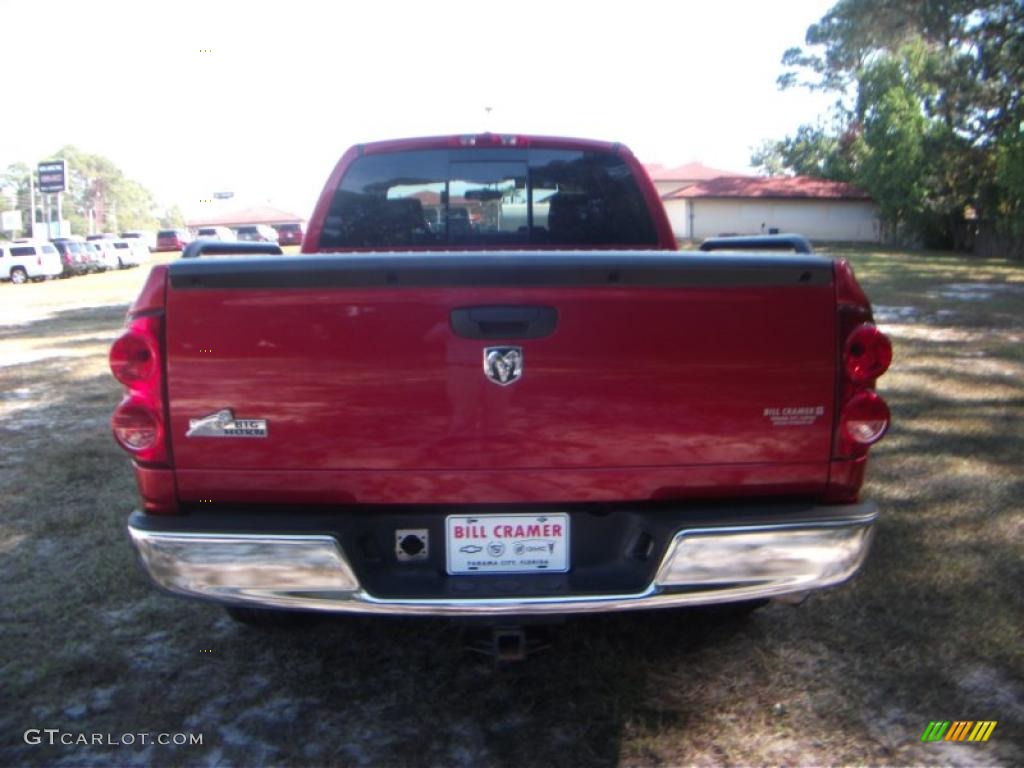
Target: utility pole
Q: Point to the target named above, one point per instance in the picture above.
(90, 198)
(32, 203)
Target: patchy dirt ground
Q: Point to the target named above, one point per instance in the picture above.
(930, 630)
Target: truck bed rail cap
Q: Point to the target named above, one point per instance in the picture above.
(555, 268)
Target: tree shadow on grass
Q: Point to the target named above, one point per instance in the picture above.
(90, 320)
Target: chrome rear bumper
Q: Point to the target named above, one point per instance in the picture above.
(702, 565)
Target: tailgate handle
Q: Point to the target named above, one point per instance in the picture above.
(504, 322)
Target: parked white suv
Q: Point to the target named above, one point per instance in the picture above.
(107, 257)
(147, 237)
(21, 262)
(214, 233)
(128, 255)
(256, 233)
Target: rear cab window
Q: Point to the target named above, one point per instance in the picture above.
(488, 197)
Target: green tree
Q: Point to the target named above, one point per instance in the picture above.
(1010, 181)
(813, 151)
(98, 191)
(928, 106)
(894, 166)
(16, 177)
(769, 159)
(172, 218)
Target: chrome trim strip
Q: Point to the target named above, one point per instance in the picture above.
(310, 571)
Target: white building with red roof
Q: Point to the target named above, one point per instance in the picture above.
(753, 205)
(667, 180)
(256, 214)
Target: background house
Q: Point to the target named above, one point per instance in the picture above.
(819, 209)
(668, 180)
(258, 214)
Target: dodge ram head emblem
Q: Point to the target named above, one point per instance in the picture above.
(503, 365)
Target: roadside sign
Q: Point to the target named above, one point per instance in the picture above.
(52, 176)
(11, 221)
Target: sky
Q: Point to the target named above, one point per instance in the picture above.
(261, 98)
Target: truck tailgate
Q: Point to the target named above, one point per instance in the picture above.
(662, 364)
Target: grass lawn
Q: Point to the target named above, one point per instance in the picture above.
(931, 629)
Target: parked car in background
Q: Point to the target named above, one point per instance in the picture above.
(102, 254)
(100, 236)
(289, 234)
(148, 237)
(172, 239)
(140, 250)
(125, 255)
(21, 262)
(95, 254)
(256, 233)
(75, 258)
(214, 233)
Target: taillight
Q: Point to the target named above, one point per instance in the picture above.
(138, 422)
(136, 427)
(866, 354)
(133, 358)
(864, 420)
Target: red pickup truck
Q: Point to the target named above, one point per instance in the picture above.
(490, 385)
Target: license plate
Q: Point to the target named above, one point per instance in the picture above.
(508, 543)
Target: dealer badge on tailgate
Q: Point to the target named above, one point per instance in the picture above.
(508, 543)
